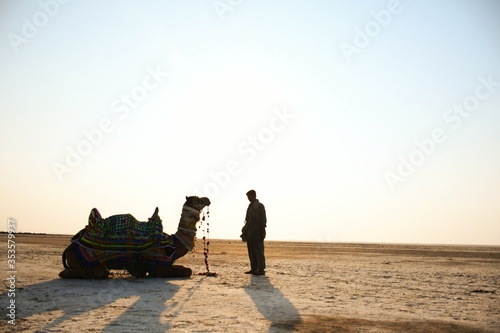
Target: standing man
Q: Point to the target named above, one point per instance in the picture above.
(254, 232)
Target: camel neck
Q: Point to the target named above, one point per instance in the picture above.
(187, 226)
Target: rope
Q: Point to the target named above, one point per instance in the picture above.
(206, 242)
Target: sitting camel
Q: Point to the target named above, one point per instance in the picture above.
(141, 248)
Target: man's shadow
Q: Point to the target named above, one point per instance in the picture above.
(138, 300)
(272, 304)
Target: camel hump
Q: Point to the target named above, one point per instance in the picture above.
(155, 214)
(94, 217)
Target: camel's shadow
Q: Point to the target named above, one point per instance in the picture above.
(112, 304)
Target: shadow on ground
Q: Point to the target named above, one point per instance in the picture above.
(272, 304)
(112, 304)
(284, 317)
(316, 323)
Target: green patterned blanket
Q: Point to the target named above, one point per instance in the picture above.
(123, 233)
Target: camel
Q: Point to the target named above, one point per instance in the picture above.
(123, 243)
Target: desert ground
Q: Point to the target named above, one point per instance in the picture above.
(308, 287)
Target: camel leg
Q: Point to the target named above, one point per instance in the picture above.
(71, 273)
(172, 271)
(74, 269)
(75, 273)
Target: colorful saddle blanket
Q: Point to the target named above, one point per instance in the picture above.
(124, 233)
(121, 241)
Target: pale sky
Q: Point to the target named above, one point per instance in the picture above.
(355, 121)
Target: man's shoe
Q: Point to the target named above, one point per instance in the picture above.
(260, 273)
(249, 272)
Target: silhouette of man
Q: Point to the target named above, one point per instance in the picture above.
(254, 232)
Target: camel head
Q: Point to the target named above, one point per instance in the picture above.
(197, 202)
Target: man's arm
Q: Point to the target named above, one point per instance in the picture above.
(263, 221)
(263, 216)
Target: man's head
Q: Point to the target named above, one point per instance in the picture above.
(251, 195)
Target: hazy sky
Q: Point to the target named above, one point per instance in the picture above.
(362, 121)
